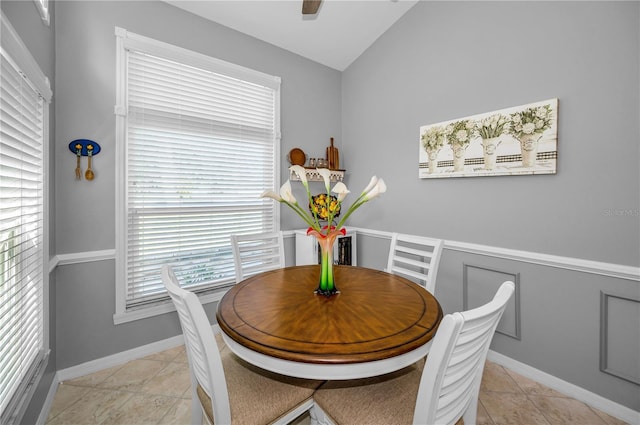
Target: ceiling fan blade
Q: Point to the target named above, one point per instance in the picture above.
(310, 7)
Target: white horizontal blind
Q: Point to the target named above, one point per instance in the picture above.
(200, 150)
(21, 231)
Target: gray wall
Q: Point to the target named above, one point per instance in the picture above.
(85, 69)
(40, 41)
(446, 60)
(85, 48)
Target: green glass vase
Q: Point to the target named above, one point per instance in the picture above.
(326, 240)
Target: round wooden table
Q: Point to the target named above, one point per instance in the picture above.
(378, 323)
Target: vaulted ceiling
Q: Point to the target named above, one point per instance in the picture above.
(340, 32)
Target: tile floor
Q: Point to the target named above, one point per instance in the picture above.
(155, 390)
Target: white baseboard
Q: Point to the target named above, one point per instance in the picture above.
(101, 364)
(48, 402)
(105, 363)
(594, 400)
(123, 357)
(610, 407)
(118, 358)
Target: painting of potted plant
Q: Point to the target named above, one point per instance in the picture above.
(459, 135)
(432, 141)
(527, 126)
(518, 140)
(490, 129)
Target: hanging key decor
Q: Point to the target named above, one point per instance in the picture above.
(88, 148)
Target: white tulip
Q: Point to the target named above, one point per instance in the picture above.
(301, 173)
(377, 190)
(326, 175)
(341, 190)
(287, 194)
(371, 184)
(271, 194)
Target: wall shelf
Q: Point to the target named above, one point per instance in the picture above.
(314, 176)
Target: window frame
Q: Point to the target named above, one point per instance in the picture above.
(43, 9)
(15, 48)
(126, 40)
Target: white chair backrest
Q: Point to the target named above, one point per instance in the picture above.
(257, 253)
(416, 258)
(205, 363)
(451, 379)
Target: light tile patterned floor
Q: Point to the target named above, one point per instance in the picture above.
(155, 390)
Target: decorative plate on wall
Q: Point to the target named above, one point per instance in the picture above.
(297, 156)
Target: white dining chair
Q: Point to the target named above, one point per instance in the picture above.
(416, 258)
(258, 252)
(442, 391)
(225, 389)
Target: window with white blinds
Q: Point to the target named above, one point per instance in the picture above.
(199, 142)
(22, 252)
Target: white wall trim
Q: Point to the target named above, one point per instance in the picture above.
(568, 263)
(556, 261)
(374, 233)
(53, 263)
(81, 257)
(594, 400)
(86, 257)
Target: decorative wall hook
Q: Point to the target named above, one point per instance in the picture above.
(84, 147)
(80, 148)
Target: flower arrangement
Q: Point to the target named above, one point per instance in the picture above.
(433, 138)
(460, 132)
(493, 126)
(530, 121)
(313, 218)
(323, 205)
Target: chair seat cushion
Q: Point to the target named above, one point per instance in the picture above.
(388, 399)
(257, 396)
